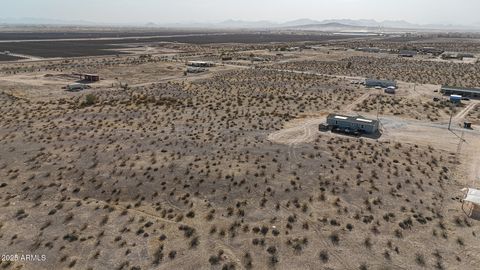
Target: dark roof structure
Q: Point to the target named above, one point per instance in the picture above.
(407, 53)
(383, 83)
(447, 88)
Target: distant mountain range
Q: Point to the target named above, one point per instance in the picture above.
(42, 21)
(340, 23)
(300, 24)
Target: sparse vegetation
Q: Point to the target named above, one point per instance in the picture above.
(182, 171)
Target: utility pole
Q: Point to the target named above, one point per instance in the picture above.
(451, 116)
(378, 106)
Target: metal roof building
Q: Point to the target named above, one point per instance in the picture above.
(89, 77)
(381, 83)
(200, 64)
(195, 69)
(353, 123)
(464, 92)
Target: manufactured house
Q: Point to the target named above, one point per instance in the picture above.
(368, 49)
(352, 124)
(200, 64)
(461, 91)
(458, 56)
(381, 83)
(196, 69)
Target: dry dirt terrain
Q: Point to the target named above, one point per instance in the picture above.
(154, 169)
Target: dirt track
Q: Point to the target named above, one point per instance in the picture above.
(304, 132)
(463, 113)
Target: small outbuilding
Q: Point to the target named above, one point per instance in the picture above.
(390, 90)
(455, 98)
(91, 77)
(471, 203)
(88, 77)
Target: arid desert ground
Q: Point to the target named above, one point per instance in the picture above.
(156, 168)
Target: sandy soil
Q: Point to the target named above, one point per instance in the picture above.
(227, 169)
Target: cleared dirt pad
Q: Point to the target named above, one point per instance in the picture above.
(304, 132)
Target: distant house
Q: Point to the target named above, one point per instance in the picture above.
(352, 123)
(196, 69)
(368, 49)
(461, 91)
(465, 55)
(380, 83)
(292, 49)
(407, 53)
(200, 64)
(458, 56)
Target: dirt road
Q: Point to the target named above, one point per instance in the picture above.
(464, 112)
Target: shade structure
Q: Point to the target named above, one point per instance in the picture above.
(472, 195)
(471, 203)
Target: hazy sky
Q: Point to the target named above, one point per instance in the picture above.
(162, 11)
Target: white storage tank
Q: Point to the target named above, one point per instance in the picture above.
(455, 98)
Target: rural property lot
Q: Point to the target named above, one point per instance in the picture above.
(154, 167)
